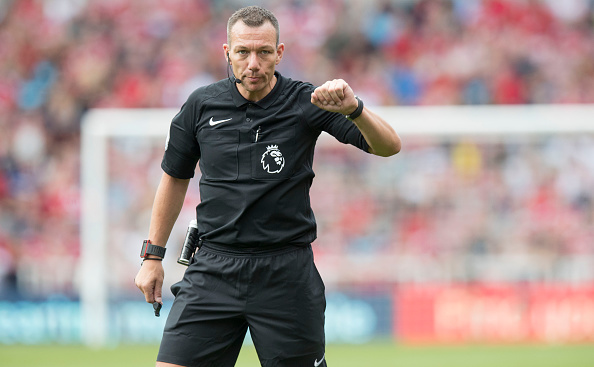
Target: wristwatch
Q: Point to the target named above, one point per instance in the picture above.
(149, 249)
(356, 113)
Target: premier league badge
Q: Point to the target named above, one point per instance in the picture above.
(272, 159)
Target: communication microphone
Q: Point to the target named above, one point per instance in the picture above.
(237, 81)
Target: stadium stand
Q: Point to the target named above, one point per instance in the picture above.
(60, 58)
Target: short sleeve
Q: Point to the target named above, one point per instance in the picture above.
(182, 151)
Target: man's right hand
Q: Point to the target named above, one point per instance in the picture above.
(150, 280)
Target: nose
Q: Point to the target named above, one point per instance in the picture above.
(253, 61)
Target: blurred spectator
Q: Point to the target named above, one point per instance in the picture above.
(59, 58)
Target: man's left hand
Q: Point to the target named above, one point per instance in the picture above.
(335, 96)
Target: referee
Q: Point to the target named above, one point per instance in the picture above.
(253, 136)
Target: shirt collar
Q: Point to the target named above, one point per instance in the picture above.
(265, 102)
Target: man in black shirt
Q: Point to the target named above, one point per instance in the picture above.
(253, 137)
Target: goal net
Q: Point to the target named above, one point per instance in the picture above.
(478, 194)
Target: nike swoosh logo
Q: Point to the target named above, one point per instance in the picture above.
(316, 363)
(213, 122)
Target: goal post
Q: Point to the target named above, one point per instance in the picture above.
(101, 125)
(98, 126)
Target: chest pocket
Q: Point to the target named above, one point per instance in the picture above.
(219, 155)
(273, 156)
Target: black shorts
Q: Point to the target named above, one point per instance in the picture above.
(277, 294)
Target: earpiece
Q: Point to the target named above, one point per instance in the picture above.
(238, 81)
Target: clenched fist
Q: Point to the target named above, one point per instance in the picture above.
(335, 96)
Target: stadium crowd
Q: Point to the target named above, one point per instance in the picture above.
(59, 58)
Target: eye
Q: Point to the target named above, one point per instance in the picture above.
(242, 52)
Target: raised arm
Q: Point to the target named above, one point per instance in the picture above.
(337, 96)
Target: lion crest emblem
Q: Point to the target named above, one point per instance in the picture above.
(272, 159)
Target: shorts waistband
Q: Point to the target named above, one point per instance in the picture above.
(263, 251)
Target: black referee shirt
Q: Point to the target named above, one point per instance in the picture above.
(256, 160)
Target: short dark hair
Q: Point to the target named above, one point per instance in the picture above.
(253, 16)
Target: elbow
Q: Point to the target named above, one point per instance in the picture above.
(388, 150)
(397, 145)
(395, 150)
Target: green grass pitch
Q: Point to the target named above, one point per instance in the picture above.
(376, 354)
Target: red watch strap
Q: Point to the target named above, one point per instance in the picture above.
(145, 244)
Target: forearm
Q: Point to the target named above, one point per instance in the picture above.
(169, 200)
(380, 136)
(337, 96)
